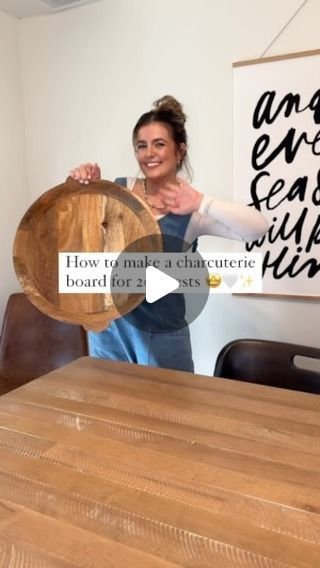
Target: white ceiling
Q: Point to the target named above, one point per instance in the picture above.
(27, 8)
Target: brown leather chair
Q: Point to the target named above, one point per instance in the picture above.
(33, 344)
(269, 363)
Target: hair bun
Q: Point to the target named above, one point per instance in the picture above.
(170, 104)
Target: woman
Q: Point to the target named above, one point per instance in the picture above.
(160, 145)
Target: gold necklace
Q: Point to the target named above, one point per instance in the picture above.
(146, 197)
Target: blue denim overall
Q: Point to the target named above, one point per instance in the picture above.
(166, 347)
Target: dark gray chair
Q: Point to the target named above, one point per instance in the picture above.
(268, 363)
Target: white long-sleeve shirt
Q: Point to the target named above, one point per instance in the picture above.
(224, 219)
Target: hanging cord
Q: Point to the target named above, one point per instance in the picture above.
(283, 28)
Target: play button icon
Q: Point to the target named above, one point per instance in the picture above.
(167, 293)
(158, 284)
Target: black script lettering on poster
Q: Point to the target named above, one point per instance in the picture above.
(267, 193)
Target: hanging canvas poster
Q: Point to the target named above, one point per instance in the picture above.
(277, 165)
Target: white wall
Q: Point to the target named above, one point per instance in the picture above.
(13, 184)
(89, 73)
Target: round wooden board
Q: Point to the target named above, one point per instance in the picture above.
(99, 217)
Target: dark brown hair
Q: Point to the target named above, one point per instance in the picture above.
(170, 112)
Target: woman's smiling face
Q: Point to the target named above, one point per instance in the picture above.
(156, 152)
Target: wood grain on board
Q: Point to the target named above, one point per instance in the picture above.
(99, 217)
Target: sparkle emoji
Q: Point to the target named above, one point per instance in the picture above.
(247, 281)
(214, 280)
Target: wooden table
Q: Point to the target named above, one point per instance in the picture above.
(106, 464)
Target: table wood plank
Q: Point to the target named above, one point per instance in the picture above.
(158, 468)
(80, 547)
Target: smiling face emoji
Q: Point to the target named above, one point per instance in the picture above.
(214, 280)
